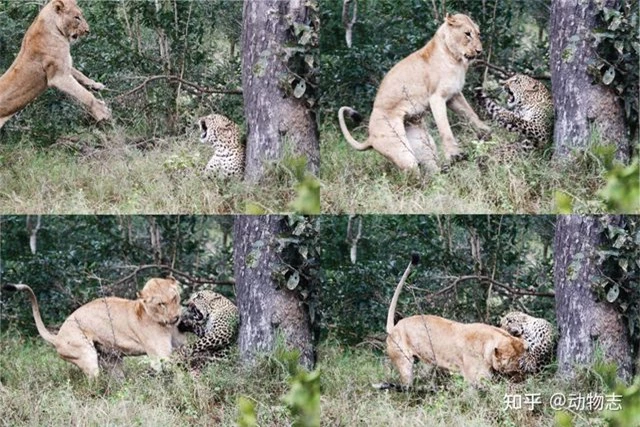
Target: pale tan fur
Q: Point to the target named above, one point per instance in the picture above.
(116, 326)
(475, 350)
(45, 61)
(430, 78)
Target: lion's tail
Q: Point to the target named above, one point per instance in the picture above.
(360, 146)
(42, 330)
(415, 258)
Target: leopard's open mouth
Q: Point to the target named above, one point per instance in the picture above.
(203, 129)
(511, 99)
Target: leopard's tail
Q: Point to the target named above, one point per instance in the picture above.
(42, 330)
(415, 258)
(360, 146)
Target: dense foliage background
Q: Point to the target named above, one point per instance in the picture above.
(472, 268)
(78, 258)
(165, 63)
(487, 264)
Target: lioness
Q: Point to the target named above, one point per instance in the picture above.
(114, 325)
(432, 77)
(45, 61)
(475, 349)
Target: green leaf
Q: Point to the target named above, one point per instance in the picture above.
(564, 202)
(246, 412)
(254, 209)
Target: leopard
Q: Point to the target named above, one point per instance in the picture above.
(214, 319)
(529, 110)
(225, 137)
(539, 334)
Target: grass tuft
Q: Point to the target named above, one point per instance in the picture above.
(493, 179)
(110, 172)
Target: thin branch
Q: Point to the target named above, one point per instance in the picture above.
(188, 277)
(174, 79)
(483, 63)
(502, 286)
(503, 72)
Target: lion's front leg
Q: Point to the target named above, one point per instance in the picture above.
(449, 144)
(86, 81)
(67, 84)
(460, 106)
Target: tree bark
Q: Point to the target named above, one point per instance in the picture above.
(266, 309)
(584, 322)
(272, 115)
(581, 106)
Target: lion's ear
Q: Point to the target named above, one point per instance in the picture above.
(451, 20)
(139, 309)
(497, 353)
(58, 6)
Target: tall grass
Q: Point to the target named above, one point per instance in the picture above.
(107, 171)
(487, 182)
(39, 388)
(349, 398)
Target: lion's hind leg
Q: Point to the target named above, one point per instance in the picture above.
(422, 145)
(388, 136)
(81, 354)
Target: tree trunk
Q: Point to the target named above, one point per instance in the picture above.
(266, 309)
(584, 322)
(272, 115)
(581, 106)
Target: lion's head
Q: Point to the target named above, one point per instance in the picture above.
(461, 36)
(507, 356)
(69, 19)
(160, 300)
